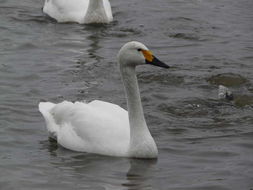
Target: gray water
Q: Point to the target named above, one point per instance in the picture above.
(203, 142)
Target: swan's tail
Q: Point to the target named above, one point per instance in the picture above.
(45, 109)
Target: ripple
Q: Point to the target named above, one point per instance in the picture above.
(195, 108)
(185, 36)
(215, 154)
(180, 19)
(123, 32)
(162, 78)
(27, 46)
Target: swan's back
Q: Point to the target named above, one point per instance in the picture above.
(65, 10)
(72, 10)
(92, 127)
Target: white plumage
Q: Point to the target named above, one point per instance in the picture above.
(88, 127)
(80, 11)
(105, 128)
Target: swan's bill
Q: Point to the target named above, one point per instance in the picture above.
(148, 55)
(151, 59)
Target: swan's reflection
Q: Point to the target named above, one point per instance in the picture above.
(95, 34)
(139, 174)
(96, 172)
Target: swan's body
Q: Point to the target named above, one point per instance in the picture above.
(104, 128)
(80, 11)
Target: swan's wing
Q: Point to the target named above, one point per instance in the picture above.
(97, 127)
(66, 10)
(108, 9)
(105, 106)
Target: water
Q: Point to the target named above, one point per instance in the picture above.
(203, 142)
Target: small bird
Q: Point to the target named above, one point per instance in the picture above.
(104, 128)
(225, 93)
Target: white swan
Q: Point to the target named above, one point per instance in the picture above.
(80, 11)
(104, 128)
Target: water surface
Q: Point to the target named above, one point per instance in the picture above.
(203, 142)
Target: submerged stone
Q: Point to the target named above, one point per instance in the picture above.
(227, 79)
(243, 100)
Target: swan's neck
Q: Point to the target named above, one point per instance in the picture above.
(141, 141)
(96, 12)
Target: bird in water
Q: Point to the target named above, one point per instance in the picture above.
(104, 128)
(225, 93)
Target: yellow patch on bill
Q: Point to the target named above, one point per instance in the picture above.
(148, 55)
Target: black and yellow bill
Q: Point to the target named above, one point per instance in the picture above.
(152, 60)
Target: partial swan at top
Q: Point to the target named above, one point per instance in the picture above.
(80, 11)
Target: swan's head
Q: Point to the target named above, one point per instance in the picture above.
(135, 53)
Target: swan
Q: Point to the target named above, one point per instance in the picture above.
(104, 128)
(80, 11)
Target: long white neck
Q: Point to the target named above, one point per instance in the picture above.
(96, 12)
(141, 141)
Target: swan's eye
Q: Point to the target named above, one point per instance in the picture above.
(139, 49)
